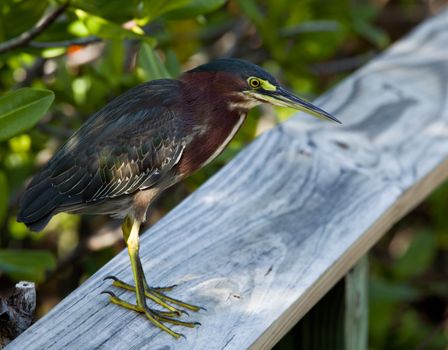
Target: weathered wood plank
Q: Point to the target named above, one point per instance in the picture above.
(262, 241)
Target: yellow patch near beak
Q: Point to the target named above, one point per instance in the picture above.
(266, 85)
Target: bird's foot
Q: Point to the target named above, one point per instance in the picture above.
(156, 317)
(157, 295)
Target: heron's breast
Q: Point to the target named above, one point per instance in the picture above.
(209, 143)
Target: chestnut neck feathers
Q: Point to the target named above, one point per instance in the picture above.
(215, 106)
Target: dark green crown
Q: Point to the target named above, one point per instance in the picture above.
(237, 66)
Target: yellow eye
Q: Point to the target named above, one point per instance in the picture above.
(254, 83)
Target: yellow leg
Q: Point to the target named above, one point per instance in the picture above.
(133, 244)
(131, 229)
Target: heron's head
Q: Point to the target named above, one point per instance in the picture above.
(248, 85)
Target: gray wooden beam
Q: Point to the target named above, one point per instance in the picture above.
(262, 241)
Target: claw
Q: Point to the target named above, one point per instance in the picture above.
(110, 278)
(185, 312)
(112, 294)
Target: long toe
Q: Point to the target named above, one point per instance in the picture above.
(152, 292)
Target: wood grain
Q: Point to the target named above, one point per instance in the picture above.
(263, 240)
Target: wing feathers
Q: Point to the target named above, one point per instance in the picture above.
(127, 146)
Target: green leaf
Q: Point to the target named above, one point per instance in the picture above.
(195, 8)
(249, 7)
(150, 64)
(3, 197)
(418, 257)
(382, 291)
(21, 109)
(172, 64)
(152, 9)
(29, 265)
(28, 12)
(105, 29)
(363, 17)
(112, 63)
(375, 35)
(118, 11)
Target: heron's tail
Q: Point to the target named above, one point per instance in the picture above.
(38, 203)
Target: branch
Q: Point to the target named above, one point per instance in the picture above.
(78, 41)
(26, 37)
(17, 311)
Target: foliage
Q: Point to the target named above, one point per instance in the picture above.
(98, 49)
(26, 264)
(21, 109)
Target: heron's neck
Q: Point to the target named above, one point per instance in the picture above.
(215, 92)
(214, 120)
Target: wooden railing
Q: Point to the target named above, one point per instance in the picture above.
(268, 236)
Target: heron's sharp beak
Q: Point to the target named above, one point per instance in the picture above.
(282, 97)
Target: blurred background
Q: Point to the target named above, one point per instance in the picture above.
(95, 50)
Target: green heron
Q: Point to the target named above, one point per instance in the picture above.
(143, 142)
